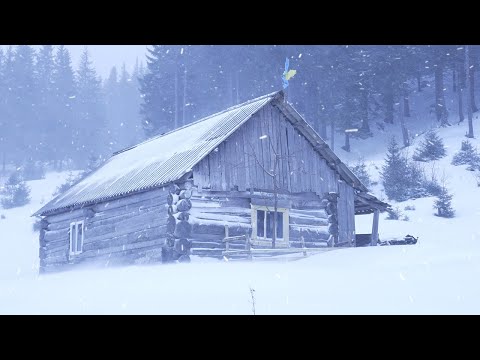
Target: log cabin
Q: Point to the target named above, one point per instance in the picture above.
(257, 168)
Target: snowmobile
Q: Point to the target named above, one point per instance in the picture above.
(407, 240)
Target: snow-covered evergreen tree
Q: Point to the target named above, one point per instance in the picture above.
(432, 148)
(157, 87)
(45, 92)
(396, 173)
(33, 170)
(23, 100)
(64, 107)
(468, 155)
(16, 192)
(360, 170)
(443, 204)
(89, 112)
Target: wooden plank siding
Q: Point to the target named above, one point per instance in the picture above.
(126, 228)
(301, 168)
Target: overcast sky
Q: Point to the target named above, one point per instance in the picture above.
(106, 56)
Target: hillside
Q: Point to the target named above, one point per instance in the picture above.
(432, 277)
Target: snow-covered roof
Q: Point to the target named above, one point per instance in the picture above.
(167, 157)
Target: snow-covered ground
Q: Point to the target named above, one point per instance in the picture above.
(436, 276)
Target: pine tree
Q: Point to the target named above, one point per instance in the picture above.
(23, 111)
(64, 105)
(468, 155)
(396, 173)
(431, 148)
(4, 124)
(112, 110)
(360, 170)
(131, 131)
(46, 125)
(16, 192)
(90, 112)
(157, 88)
(443, 204)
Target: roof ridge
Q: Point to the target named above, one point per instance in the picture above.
(273, 94)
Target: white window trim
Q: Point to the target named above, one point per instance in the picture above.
(283, 242)
(74, 227)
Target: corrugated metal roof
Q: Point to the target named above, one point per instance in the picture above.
(159, 160)
(167, 157)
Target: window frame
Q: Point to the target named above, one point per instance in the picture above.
(75, 225)
(264, 241)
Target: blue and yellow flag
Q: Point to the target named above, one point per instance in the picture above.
(287, 74)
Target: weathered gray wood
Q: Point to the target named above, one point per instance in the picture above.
(46, 252)
(185, 194)
(229, 239)
(184, 205)
(155, 195)
(171, 222)
(61, 258)
(140, 221)
(302, 167)
(139, 206)
(207, 252)
(73, 215)
(127, 238)
(307, 220)
(158, 211)
(130, 246)
(183, 229)
(275, 251)
(57, 235)
(376, 214)
(207, 244)
(227, 244)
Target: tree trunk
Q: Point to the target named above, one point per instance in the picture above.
(275, 202)
(184, 96)
(176, 97)
(346, 147)
(440, 105)
(230, 89)
(406, 139)
(237, 88)
(406, 106)
(388, 103)
(468, 84)
(332, 134)
(322, 115)
(419, 83)
(461, 117)
(454, 79)
(472, 86)
(364, 112)
(4, 162)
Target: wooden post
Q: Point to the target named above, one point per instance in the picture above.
(303, 245)
(227, 243)
(248, 246)
(376, 214)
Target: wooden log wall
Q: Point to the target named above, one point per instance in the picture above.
(127, 230)
(212, 211)
(332, 211)
(179, 229)
(346, 215)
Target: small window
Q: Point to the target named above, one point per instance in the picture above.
(76, 237)
(262, 221)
